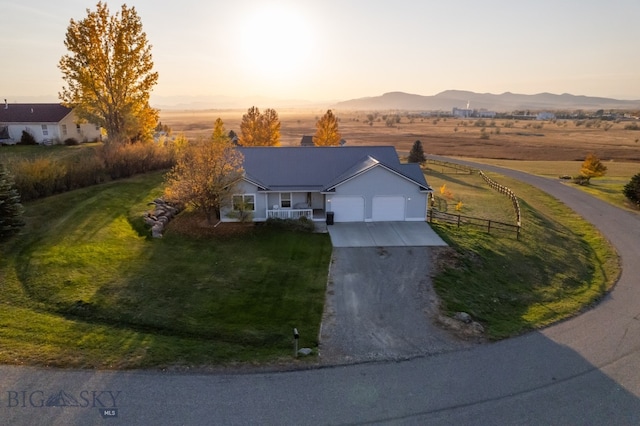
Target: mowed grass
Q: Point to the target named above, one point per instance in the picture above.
(608, 188)
(560, 266)
(85, 285)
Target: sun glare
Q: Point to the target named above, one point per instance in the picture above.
(275, 44)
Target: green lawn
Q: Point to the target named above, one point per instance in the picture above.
(560, 266)
(86, 286)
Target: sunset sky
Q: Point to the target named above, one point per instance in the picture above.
(337, 50)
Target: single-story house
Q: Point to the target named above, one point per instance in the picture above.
(47, 123)
(345, 183)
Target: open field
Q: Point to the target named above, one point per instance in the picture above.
(561, 140)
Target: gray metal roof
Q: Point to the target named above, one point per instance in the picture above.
(320, 168)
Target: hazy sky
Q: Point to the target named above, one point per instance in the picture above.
(325, 50)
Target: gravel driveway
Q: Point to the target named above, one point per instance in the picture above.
(381, 305)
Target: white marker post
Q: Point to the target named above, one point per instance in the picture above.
(296, 336)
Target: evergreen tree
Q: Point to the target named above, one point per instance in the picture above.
(416, 155)
(10, 208)
(632, 189)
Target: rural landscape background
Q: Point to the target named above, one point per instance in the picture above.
(499, 138)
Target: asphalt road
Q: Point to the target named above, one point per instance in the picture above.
(584, 371)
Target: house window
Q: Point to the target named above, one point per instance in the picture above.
(285, 200)
(78, 128)
(64, 130)
(244, 202)
(45, 131)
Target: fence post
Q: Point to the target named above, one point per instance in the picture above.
(458, 221)
(488, 226)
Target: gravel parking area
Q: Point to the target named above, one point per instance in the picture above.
(381, 306)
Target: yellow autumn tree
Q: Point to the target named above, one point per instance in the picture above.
(205, 176)
(109, 73)
(592, 167)
(327, 133)
(258, 129)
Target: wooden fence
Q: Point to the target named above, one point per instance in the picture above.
(485, 224)
(489, 225)
(506, 191)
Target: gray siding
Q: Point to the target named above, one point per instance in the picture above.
(380, 181)
(260, 213)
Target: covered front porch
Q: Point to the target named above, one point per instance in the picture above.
(295, 205)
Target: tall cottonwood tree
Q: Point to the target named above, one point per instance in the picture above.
(327, 133)
(258, 129)
(205, 176)
(109, 73)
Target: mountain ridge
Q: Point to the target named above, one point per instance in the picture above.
(504, 102)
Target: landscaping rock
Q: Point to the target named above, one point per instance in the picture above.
(305, 351)
(463, 317)
(162, 214)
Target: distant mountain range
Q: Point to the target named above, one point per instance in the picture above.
(506, 102)
(444, 101)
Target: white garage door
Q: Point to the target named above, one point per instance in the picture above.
(348, 209)
(386, 209)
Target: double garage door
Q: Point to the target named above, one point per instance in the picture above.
(384, 209)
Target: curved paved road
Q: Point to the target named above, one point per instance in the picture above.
(582, 371)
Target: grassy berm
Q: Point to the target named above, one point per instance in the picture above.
(560, 266)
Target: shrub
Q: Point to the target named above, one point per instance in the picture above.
(71, 142)
(27, 139)
(632, 126)
(299, 225)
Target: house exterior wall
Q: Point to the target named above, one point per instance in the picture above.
(260, 212)
(85, 132)
(382, 182)
(55, 132)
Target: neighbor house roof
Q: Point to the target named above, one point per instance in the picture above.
(320, 168)
(32, 113)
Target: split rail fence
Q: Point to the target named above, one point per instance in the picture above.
(487, 224)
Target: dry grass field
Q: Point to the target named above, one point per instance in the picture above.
(559, 140)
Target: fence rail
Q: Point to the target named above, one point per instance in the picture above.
(508, 192)
(489, 225)
(459, 220)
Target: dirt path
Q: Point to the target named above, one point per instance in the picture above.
(381, 305)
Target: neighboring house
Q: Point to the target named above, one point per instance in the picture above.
(307, 141)
(353, 184)
(545, 116)
(47, 123)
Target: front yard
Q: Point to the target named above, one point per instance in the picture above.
(86, 286)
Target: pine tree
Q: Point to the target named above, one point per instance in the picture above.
(416, 155)
(632, 189)
(10, 208)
